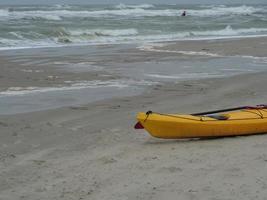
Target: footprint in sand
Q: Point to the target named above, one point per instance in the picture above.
(107, 160)
(78, 108)
(171, 169)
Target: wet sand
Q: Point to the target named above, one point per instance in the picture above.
(223, 47)
(91, 151)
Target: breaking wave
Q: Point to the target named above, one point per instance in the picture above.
(61, 25)
(124, 6)
(63, 36)
(99, 32)
(127, 10)
(229, 31)
(222, 10)
(4, 12)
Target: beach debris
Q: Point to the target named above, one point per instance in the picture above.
(79, 108)
(38, 162)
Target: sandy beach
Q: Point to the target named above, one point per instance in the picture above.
(89, 150)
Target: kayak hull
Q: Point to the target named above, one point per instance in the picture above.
(173, 126)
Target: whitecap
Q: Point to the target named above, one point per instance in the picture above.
(229, 31)
(103, 32)
(125, 6)
(151, 47)
(223, 10)
(130, 11)
(4, 12)
(183, 75)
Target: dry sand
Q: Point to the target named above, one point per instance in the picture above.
(93, 152)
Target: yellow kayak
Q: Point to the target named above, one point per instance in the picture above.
(247, 121)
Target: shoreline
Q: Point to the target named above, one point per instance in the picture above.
(51, 78)
(158, 89)
(152, 90)
(137, 43)
(250, 47)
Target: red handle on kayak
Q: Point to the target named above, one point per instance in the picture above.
(138, 125)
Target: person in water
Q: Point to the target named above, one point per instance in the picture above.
(184, 13)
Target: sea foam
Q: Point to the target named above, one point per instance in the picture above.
(125, 6)
(72, 85)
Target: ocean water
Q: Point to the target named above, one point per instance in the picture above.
(63, 25)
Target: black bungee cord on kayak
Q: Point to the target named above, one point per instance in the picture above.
(258, 112)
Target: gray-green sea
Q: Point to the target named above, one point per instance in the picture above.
(62, 25)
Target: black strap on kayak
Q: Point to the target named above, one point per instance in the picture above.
(219, 111)
(257, 112)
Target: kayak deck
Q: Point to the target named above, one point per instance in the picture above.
(170, 126)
